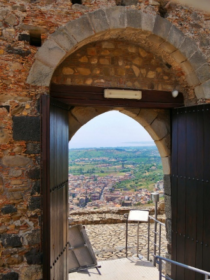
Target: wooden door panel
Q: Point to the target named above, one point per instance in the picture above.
(55, 184)
(191, 190)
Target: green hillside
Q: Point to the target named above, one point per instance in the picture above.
(144, 163)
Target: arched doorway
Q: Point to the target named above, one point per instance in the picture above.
(153, 35)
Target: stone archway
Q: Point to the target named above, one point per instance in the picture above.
(153, 33)
(156, 33)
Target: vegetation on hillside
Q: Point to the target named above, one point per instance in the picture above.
(144, 163)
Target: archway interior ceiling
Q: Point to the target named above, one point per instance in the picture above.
(152, 33)
(120, 64)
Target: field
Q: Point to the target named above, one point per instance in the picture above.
(144, 163)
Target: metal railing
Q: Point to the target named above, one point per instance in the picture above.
(157, 235)
(160, 259)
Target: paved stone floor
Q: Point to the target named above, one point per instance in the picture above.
(120, 269)
(108, 240)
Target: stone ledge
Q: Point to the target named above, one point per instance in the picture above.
(110, 215)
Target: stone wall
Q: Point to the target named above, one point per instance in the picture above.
(20, 22)
(110, 215)
(117, 64)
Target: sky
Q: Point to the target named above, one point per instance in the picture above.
(111, 129)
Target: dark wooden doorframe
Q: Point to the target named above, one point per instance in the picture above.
(83, 96)
(45, 183)
(94, 96)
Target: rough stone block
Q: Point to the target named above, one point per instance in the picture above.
(167, 47)
(31, 272)
(4, 136)
(166, 163)
(187, 67)
(80, 28)
(206, 89)
(8, 240)
(133, 113)
(14, 260)
(64, 39)
(159, 127)
(116, 17)
(188, 48)
(178, 56)
(168, 210)
(32, 148)
(34, 237)
(161, 27)
(175, 37)
(50, 53)
(15, 196)
(74, 125)
(155, 40)
(129, 2)
(148, 22)
(34, 257)
(169, 230)
(199, 92)
(26, 128)
(15, 172)
(203, 73)
(134, 19)
(15, 161)
(40, 74)
(84, 114)
(146, 116)
(35, 203)
(168, 265)
(36, 188)
(167, 184)
(192, 79)
(197, 60)
(164, 146)
(10, 276)
(8, 209)
(34, 173)
(98, 20)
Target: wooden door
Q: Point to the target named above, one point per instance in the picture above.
(55, 137)
(191, 190)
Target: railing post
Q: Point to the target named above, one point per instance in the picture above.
(159, 239)
(155, 234)
(155, 198)
(137, 250)
(160, 269)
(148, 239)
(126, 236)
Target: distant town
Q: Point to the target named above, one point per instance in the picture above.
(124, 177)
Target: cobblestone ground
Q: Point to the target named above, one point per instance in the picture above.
(108, 240)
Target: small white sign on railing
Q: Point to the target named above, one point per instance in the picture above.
(138, 215)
